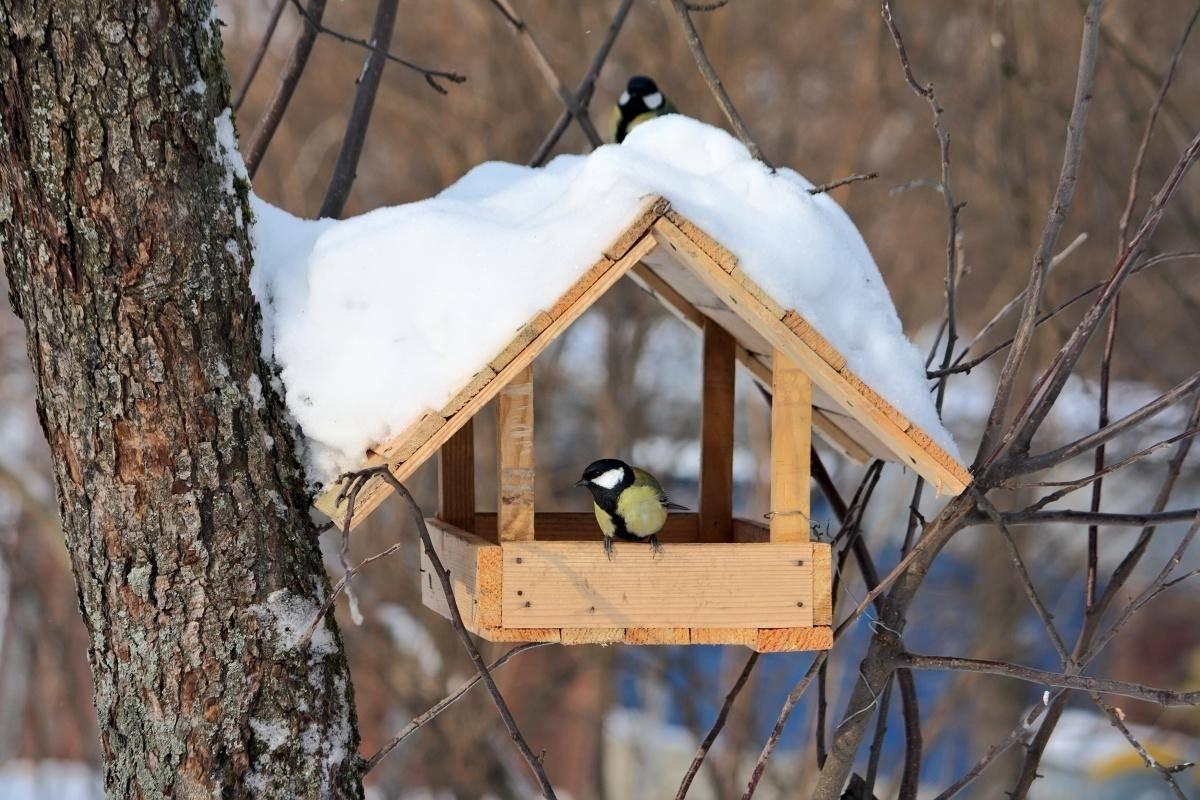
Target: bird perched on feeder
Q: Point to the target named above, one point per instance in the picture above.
(640, 101)
(629, 502)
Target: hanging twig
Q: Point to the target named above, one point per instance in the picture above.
(256, 61)
(714, 81)
(345, 169)
(717, 726)
(781, 721)
(443, 704)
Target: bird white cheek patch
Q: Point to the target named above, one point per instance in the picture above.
(653, 101)
(609, 479)
(624, 99)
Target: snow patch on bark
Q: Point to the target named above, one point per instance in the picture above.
(290, 615)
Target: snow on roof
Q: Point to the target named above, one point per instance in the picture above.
(374, 319)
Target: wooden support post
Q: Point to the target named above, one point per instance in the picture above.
(791, 440)
(456, 479)
(514, 426)
(716, 435)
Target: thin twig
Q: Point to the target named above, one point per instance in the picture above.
(1167, 773)
(1064, 196)
(432, 76)
(289, 78)
(1166, 698)
(583, 95)
(543, 65)
(825, 187)
(256, 61)
(443, 704)
(514, 732)
(345, 169)
(780, 722)
(717, 726)
(696, 47)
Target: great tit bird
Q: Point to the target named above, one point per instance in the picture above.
(641, 101)
(629, 502)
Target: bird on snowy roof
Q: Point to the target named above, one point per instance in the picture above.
(640, 101)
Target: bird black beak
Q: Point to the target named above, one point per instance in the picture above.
(581, 482)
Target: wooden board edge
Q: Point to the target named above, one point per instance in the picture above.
(791, 640)
(651, 210)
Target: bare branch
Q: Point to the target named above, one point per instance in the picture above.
(432, 76)
(543, 64)
(443, 704)
(825, 187)
(1092, 440)
(1098, 517)
(714, 82)
(256, 60)
(289, 78)
(1064, 196)
(1166, 772)
(1163, 697)
(717, 726)
(345, 169)
(781, 721)
(583, 94)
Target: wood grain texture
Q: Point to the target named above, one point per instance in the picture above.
(790, 640)
(456, 479)
(514, 430)
(592, 635)
(573, 584)
(791, 444)
(716, 435)
(581, 526)
(661, 636)
(822, 584)
(653, 208)
(747, 637)
(476, 573)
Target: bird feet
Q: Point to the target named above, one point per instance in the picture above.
(608, 547)
(655, 546)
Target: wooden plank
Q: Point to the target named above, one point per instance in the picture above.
(716, 436)
(724, 585)
(473, 387)
(653, 208)
(715, 250)
(747, 637)
(790, 640)
(592, 635)
(326, 503)
(476, 569)
(456, 479)
(749, 531)
(602, 265)
(643, 636)
(526, 334)
(791, 444)
(520, 634)
(581, 526)
(403, 446)
(822, 584)
(514, 429)
(813, 338)
(734, 294)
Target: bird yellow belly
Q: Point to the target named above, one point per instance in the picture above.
(642, 510)
(606, 523)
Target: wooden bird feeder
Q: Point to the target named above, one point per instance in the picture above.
(520, 575)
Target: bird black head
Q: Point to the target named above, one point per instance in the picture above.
(641, 95)
(607, 476)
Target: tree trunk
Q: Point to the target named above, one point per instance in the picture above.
(123, 224)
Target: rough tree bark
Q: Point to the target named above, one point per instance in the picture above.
(123, 225)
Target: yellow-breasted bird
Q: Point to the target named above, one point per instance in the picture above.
(629, 502)
(640, 101)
